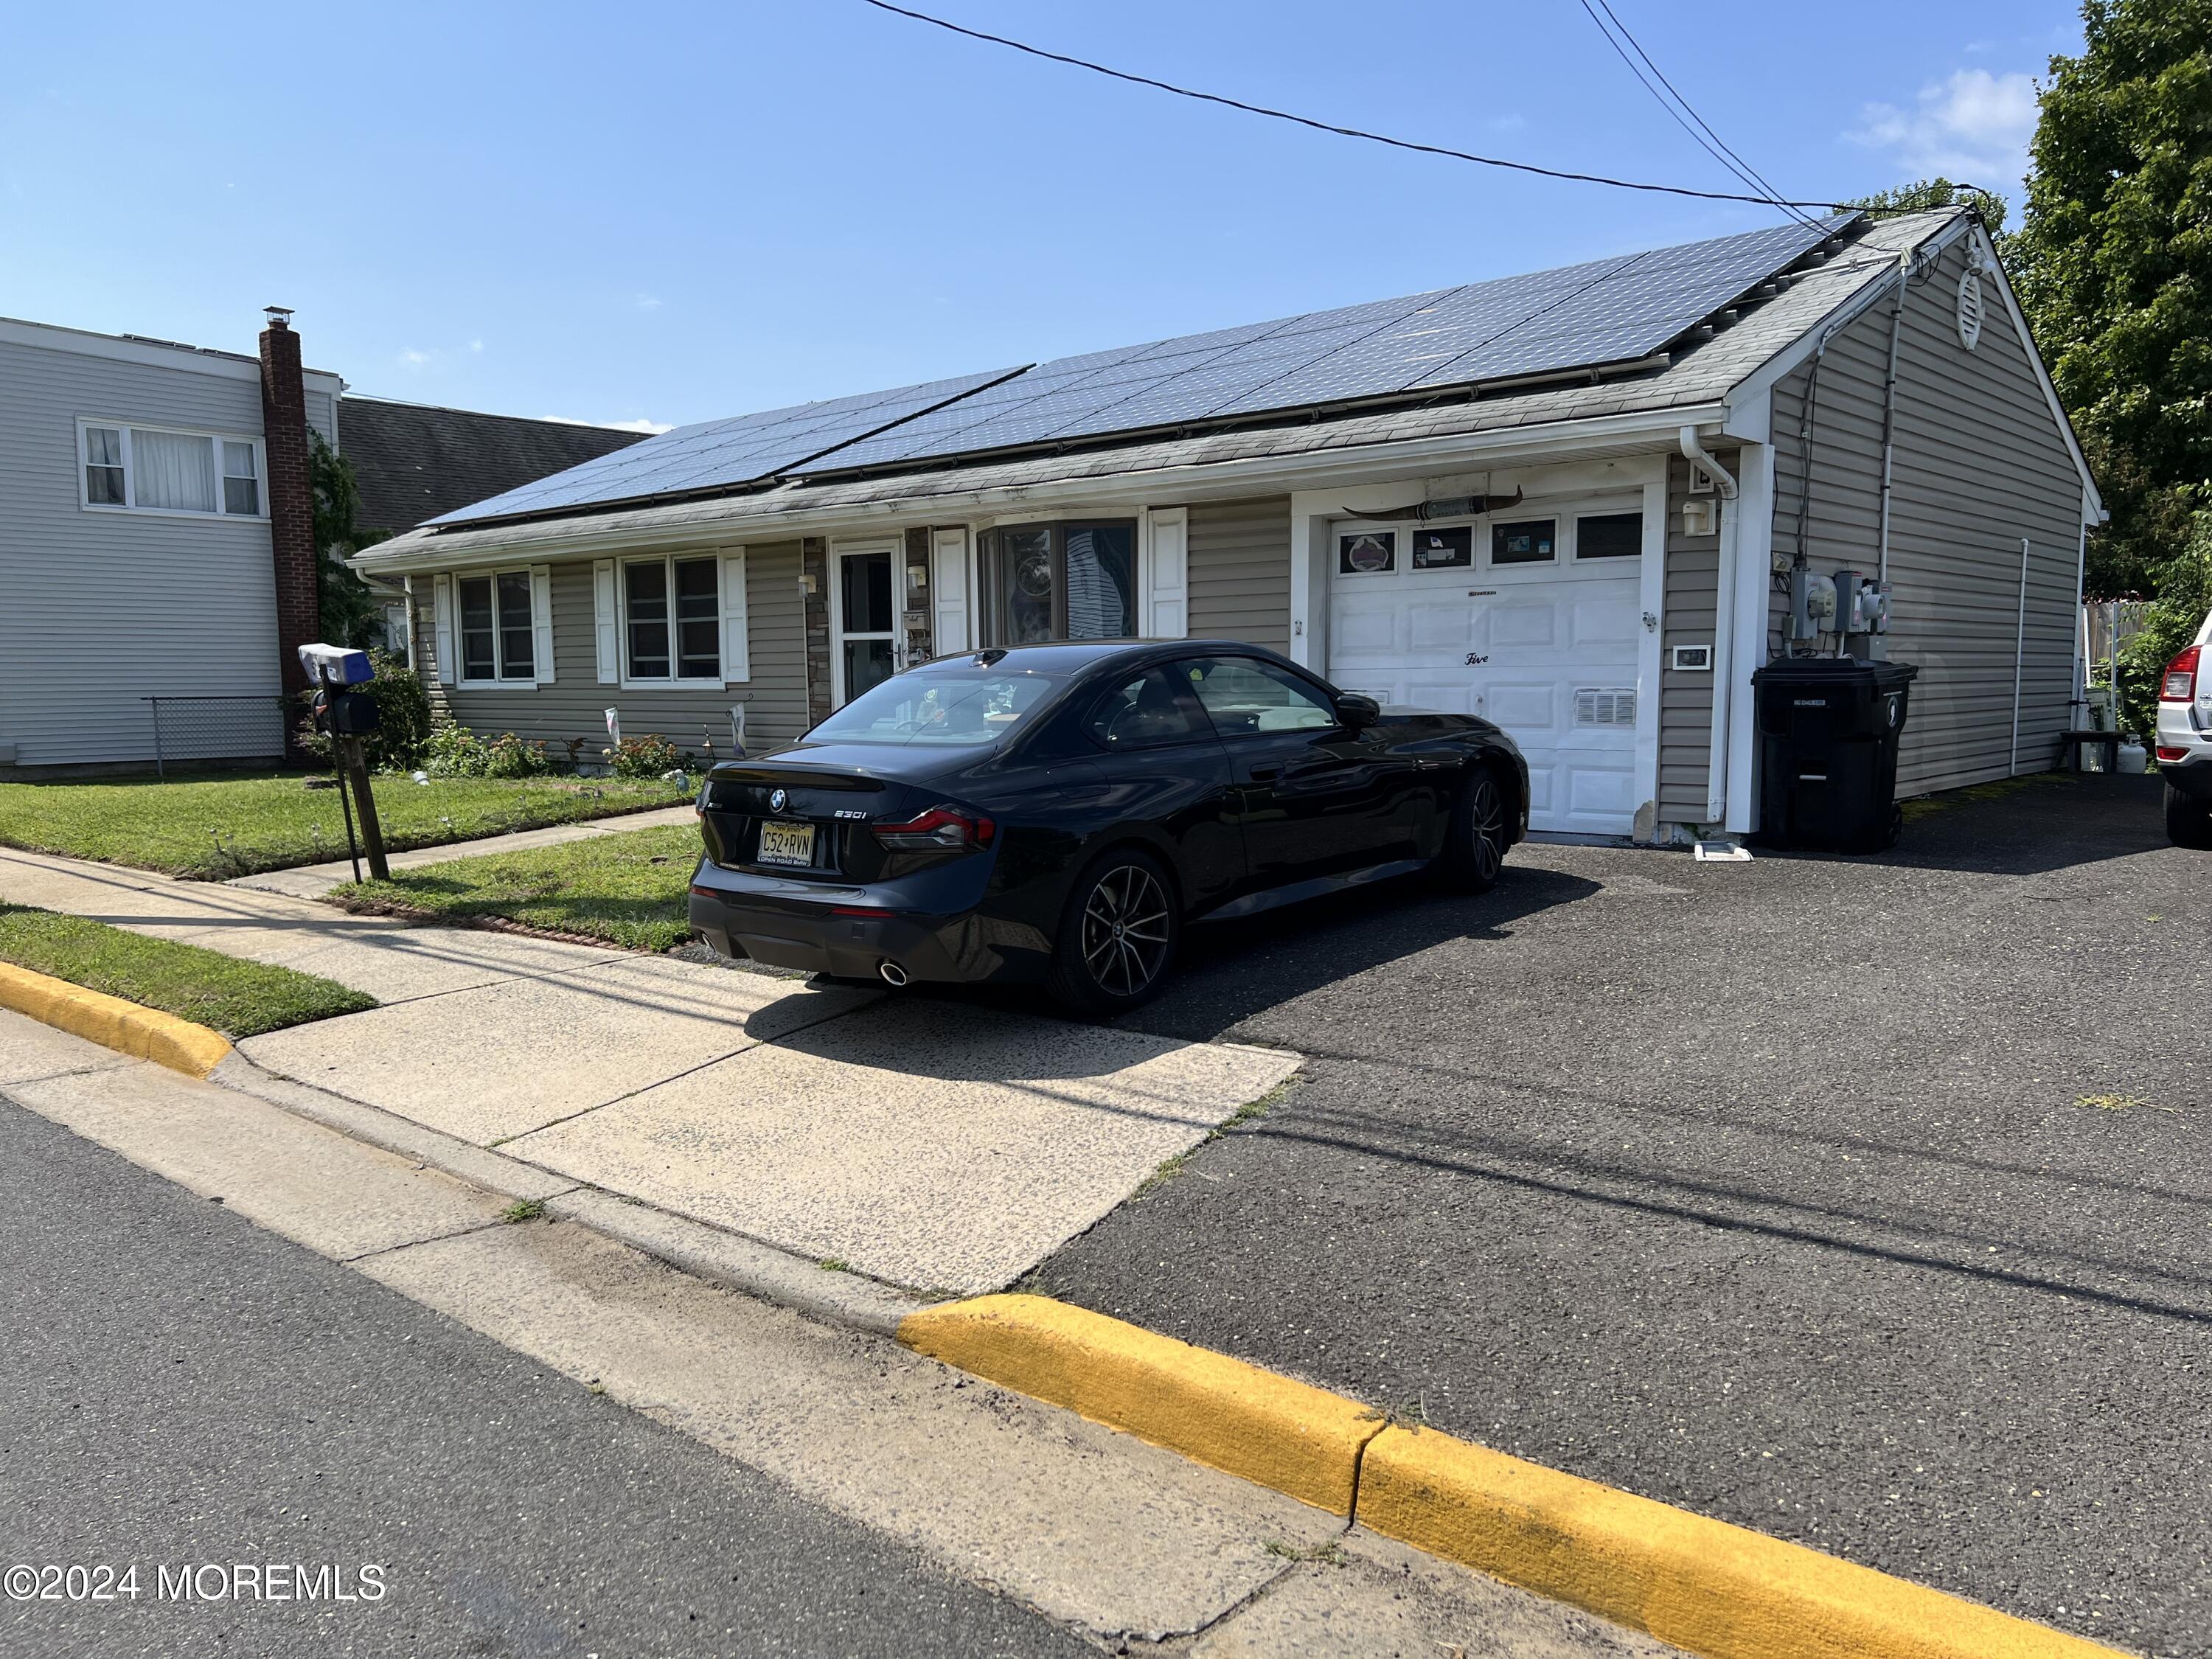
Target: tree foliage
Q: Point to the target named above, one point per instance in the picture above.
(2114, 269)
(349, 608)
(1929, 194)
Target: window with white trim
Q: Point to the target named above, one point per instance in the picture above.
(671, 620)
(147, 469)
(498, 641)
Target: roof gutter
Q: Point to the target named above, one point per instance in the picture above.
(459, 549)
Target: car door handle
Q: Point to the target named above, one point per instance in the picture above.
(1266, 774)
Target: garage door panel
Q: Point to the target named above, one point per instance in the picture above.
(1524, 707)
(1362, 629)
(1440, 628)
(1523, 626)
(1603, 621)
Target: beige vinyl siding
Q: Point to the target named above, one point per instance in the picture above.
(574, 706)
(99, 610)
(1979, 463)
(1240, 571)
(1686, 697)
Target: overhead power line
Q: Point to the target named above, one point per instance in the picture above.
(1766, 200)
(1680, 107)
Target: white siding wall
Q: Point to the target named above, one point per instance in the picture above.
(98, 610)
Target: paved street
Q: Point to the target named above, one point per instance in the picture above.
(185, 1388)
(1862, 1201)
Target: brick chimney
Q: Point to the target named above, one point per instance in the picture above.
(291, 503)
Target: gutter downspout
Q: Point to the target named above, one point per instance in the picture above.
(1904, 268)
(1723, 628)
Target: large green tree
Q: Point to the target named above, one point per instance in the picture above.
(1936, 192)
(2113, 264)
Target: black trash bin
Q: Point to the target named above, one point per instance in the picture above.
(1828, 731)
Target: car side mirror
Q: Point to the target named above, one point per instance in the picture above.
(1357, 709)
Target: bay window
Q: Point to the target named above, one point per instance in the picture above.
(146, 469)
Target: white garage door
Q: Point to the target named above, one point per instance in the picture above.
(1503, 620)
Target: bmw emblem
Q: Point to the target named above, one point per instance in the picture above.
(776, 800)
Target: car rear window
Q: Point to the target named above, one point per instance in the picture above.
(951, 708)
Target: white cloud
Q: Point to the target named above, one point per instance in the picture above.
(476, 345)
(652, 428)
(648, 302)
(413, 359)
(1973, 128)
(1508, 123)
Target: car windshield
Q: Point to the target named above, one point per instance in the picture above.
(954, 708)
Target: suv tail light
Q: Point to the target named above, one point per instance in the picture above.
(2179, 684)
(939, 827)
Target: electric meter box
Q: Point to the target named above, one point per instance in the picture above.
(1828, 734)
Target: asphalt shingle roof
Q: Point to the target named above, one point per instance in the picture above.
(413, 462)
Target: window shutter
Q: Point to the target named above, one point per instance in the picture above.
(441, 613)
(1167, 573)
(948, 582)
(737, 645)
(541, 619)
(603, 630)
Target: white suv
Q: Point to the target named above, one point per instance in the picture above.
(2184, 741)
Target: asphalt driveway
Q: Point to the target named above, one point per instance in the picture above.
(1864, 1201)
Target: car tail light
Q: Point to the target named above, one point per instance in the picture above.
(2179, 683)
(939, 827)
(2166, 754)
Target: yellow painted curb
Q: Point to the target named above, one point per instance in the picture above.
(1300, 1440)
(109, 1021)
(1702, 1585)
(1716, 1590)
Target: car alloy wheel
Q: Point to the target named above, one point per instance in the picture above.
(1486, 815)
(1126, 931)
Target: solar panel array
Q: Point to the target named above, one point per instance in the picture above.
(713, 454)
(1605, 310)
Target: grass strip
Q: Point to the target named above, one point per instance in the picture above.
(239, 998)
(211, 828)
(628, 888)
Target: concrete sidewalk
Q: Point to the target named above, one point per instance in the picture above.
(314, 880)
(934, 1145)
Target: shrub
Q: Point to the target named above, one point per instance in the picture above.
(507, 755)
(647, 756)
(403, 718)
(454, 751)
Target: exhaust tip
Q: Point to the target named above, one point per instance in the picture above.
(893, 974)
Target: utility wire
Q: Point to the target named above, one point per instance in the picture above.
(1768, 200)
(1707, 139)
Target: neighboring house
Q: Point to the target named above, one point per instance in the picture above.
(154, 507)
(412, 462)
(1569, 501)
(155, 541)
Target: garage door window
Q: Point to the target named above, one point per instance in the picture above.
(1366, 553)
(1529, 541)
(1609, 536)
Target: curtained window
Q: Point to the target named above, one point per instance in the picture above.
(154, 469)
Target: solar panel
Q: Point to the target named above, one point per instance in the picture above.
(1605, 310)
(737, 451)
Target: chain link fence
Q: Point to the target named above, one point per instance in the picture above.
(216, 728)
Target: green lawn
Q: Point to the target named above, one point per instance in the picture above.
(239, 998)
(627, 888)
(209, 828)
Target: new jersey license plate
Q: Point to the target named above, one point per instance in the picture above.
(786, 843)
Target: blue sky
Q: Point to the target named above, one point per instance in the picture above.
(669, 213)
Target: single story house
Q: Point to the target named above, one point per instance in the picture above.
(157, 558)
(1574, 501)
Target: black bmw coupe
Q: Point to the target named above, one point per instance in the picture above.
(1059, 813)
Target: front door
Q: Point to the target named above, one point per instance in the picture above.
(865, 624)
